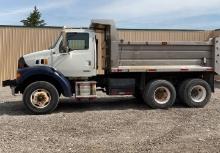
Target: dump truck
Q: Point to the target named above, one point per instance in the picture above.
(84, 60)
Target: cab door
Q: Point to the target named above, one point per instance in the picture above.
(79, 60)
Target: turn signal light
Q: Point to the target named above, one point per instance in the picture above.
(45, 61)
(18, 75)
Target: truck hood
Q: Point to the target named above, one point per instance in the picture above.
(36, 58)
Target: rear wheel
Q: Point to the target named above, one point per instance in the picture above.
(41, 97)
(159, 94)
(195, 92)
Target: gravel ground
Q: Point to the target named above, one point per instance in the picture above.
(109, 125)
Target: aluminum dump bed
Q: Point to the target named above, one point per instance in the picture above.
(157, 56)
(166, 56)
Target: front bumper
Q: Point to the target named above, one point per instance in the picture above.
(11, 83)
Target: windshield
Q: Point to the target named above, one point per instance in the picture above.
(53, 46)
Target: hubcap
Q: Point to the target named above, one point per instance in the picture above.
(40, 98)
(198, 93)
(162, 95)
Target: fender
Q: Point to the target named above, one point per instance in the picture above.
(28, 72)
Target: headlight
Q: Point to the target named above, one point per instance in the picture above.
(21, 63)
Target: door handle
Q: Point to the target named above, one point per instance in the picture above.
(89, 63)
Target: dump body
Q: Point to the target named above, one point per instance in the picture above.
(144, 55)
(163, 56)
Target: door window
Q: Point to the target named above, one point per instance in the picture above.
(78, 41)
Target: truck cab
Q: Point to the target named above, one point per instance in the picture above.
(73, 54)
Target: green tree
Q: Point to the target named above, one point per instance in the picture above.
(34, 19)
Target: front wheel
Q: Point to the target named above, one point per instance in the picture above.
(41, 97)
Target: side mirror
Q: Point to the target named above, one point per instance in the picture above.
(63, 49)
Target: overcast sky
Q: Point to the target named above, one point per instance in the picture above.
(185, 14)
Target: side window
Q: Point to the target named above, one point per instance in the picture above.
(78, 41)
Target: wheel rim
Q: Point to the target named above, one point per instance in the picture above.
(162, 95)
(198, 93)
(40, 98)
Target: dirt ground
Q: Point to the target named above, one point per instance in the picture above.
(109, 125)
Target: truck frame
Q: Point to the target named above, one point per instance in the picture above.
(83, 59)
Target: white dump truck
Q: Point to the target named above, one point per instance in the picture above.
(83, 60)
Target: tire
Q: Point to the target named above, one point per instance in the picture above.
(195, 92)
(41, 97)
(157, 88)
